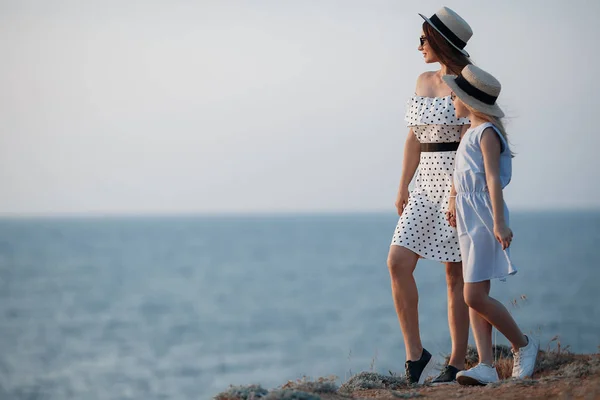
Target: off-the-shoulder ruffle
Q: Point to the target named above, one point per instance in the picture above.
(421, 110)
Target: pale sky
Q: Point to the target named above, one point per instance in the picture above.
(254, 106)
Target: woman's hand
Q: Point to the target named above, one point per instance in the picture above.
(503, 235)
(451, 212)
(401, 199)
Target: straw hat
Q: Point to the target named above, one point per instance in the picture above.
(452, 27)
(477, 89)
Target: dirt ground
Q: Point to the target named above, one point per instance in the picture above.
(566, 388)
(558, 375)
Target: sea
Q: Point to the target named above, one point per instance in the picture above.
(182, 307)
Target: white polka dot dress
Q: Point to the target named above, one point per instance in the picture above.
(422, 227)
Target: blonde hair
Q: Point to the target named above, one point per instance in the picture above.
(497, 122)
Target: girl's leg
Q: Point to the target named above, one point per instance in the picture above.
(477, 297)
(402, 263)
(458, 315)
(482, 330)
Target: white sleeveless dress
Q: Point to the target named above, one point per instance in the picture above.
(482, 255)
(422, 227)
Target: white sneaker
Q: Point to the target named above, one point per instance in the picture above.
(524, 359)
(481, 374)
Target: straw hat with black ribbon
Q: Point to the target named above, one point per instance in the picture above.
(452, 27)
(476, 88)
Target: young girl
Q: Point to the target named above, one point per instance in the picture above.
(482, 169)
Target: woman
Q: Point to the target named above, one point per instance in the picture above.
(422, 230)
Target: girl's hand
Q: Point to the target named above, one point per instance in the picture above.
(503, 235)
(451, 212)
(401, 200)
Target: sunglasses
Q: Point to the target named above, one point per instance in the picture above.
(422, 40)
(452, 96)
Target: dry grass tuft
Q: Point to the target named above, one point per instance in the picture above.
(321, 385)
(250, 392)
(372, 380)
(290, 394)
(580, 367)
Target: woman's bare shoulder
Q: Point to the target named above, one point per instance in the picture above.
(426, 84)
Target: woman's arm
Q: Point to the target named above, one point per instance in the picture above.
(491, 148)
(410, 162)
(451, 212)
(412, 146)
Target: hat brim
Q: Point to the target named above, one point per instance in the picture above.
(489, 109)
(463, 51)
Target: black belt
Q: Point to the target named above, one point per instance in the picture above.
(429, 147)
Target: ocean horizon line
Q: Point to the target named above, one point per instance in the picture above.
(254, 214)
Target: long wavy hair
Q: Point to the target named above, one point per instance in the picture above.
(497, 123)
(445, 52)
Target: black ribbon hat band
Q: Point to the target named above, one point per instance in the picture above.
(447, 32)
(472, 91)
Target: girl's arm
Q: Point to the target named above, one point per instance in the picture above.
(410, 162)
(491, 148)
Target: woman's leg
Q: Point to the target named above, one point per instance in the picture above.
(477, 297)
(401, 263)
(458, 315)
